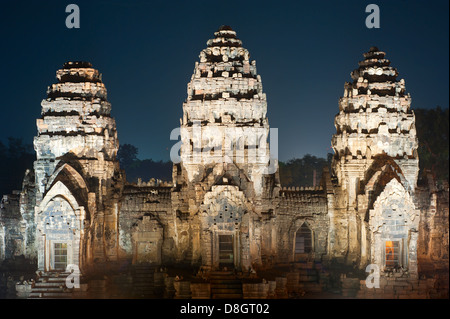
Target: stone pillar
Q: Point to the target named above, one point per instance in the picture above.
(354, 247)
(412, 253)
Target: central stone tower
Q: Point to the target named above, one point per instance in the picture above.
(224, 117)
(225, 170)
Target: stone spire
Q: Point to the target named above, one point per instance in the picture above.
(75, 119)
(76, 171)
(225, 87)
(375, 118)
(225, 92)
(224, 37)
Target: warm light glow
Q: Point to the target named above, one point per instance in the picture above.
(391, 253)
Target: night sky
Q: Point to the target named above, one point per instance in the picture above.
(146, 51)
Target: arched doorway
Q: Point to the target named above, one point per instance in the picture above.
(60, 229)
(147, 240)
(393, 223)
(60, 224)
(303, 240)
(223, 242)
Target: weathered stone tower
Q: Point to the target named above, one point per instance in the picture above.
(225, 170)
(76, 170)
(224, 116)
(224, 206)
(376, 165)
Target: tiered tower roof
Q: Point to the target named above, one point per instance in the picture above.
(375, 115)
(225, 86)
(76, 115)
(379, 78)
(375, 118)
(226, 101)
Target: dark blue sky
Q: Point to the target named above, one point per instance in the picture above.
(146, 51)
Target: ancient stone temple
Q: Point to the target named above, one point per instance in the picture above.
(377, 167)
(75, 173)
(224, 226)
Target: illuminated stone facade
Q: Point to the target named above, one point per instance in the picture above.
(225, 206)
(76, 170)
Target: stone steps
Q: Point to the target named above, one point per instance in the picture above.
(143, 284)
(183, 290)
(48, 284)
(98, 289)
(227, 296)
(51, 285)
(48, 289)
(201, 290)
(50, 295)
(225, 285)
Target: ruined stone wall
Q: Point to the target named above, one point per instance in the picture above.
(150, 221)
(433, 243)
(296, 207)
(12, 233)
(2, 242)
(27, 205)
(147, 225)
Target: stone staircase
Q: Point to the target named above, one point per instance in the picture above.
(51, 285)
(121, 286)
(99, 289)
(143, 281)
(225, 285)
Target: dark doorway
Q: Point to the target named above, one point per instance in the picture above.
(303, 240)
(226, 253)
(60, 256)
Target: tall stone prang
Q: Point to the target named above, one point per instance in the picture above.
(225, 111)
(225, 218)
(376, 165)
(374, 119)
(75, 171)
(226, 171)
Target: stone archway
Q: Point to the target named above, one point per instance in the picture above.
(147, 241)
(60, 228)
(225, 229)
(393, 226)
(311, 246)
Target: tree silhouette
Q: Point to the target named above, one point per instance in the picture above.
(127, 154)
(14, 161)
(432, 126)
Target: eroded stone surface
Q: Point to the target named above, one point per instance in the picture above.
(228, 211)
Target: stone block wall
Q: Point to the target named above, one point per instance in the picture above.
(12, 227)
(295, 208)
(433, 242)
(146, 218)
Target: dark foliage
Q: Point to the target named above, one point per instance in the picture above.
(126, 155)
(15, 159)
(144, 169)
(301, 171)
(432, 127)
